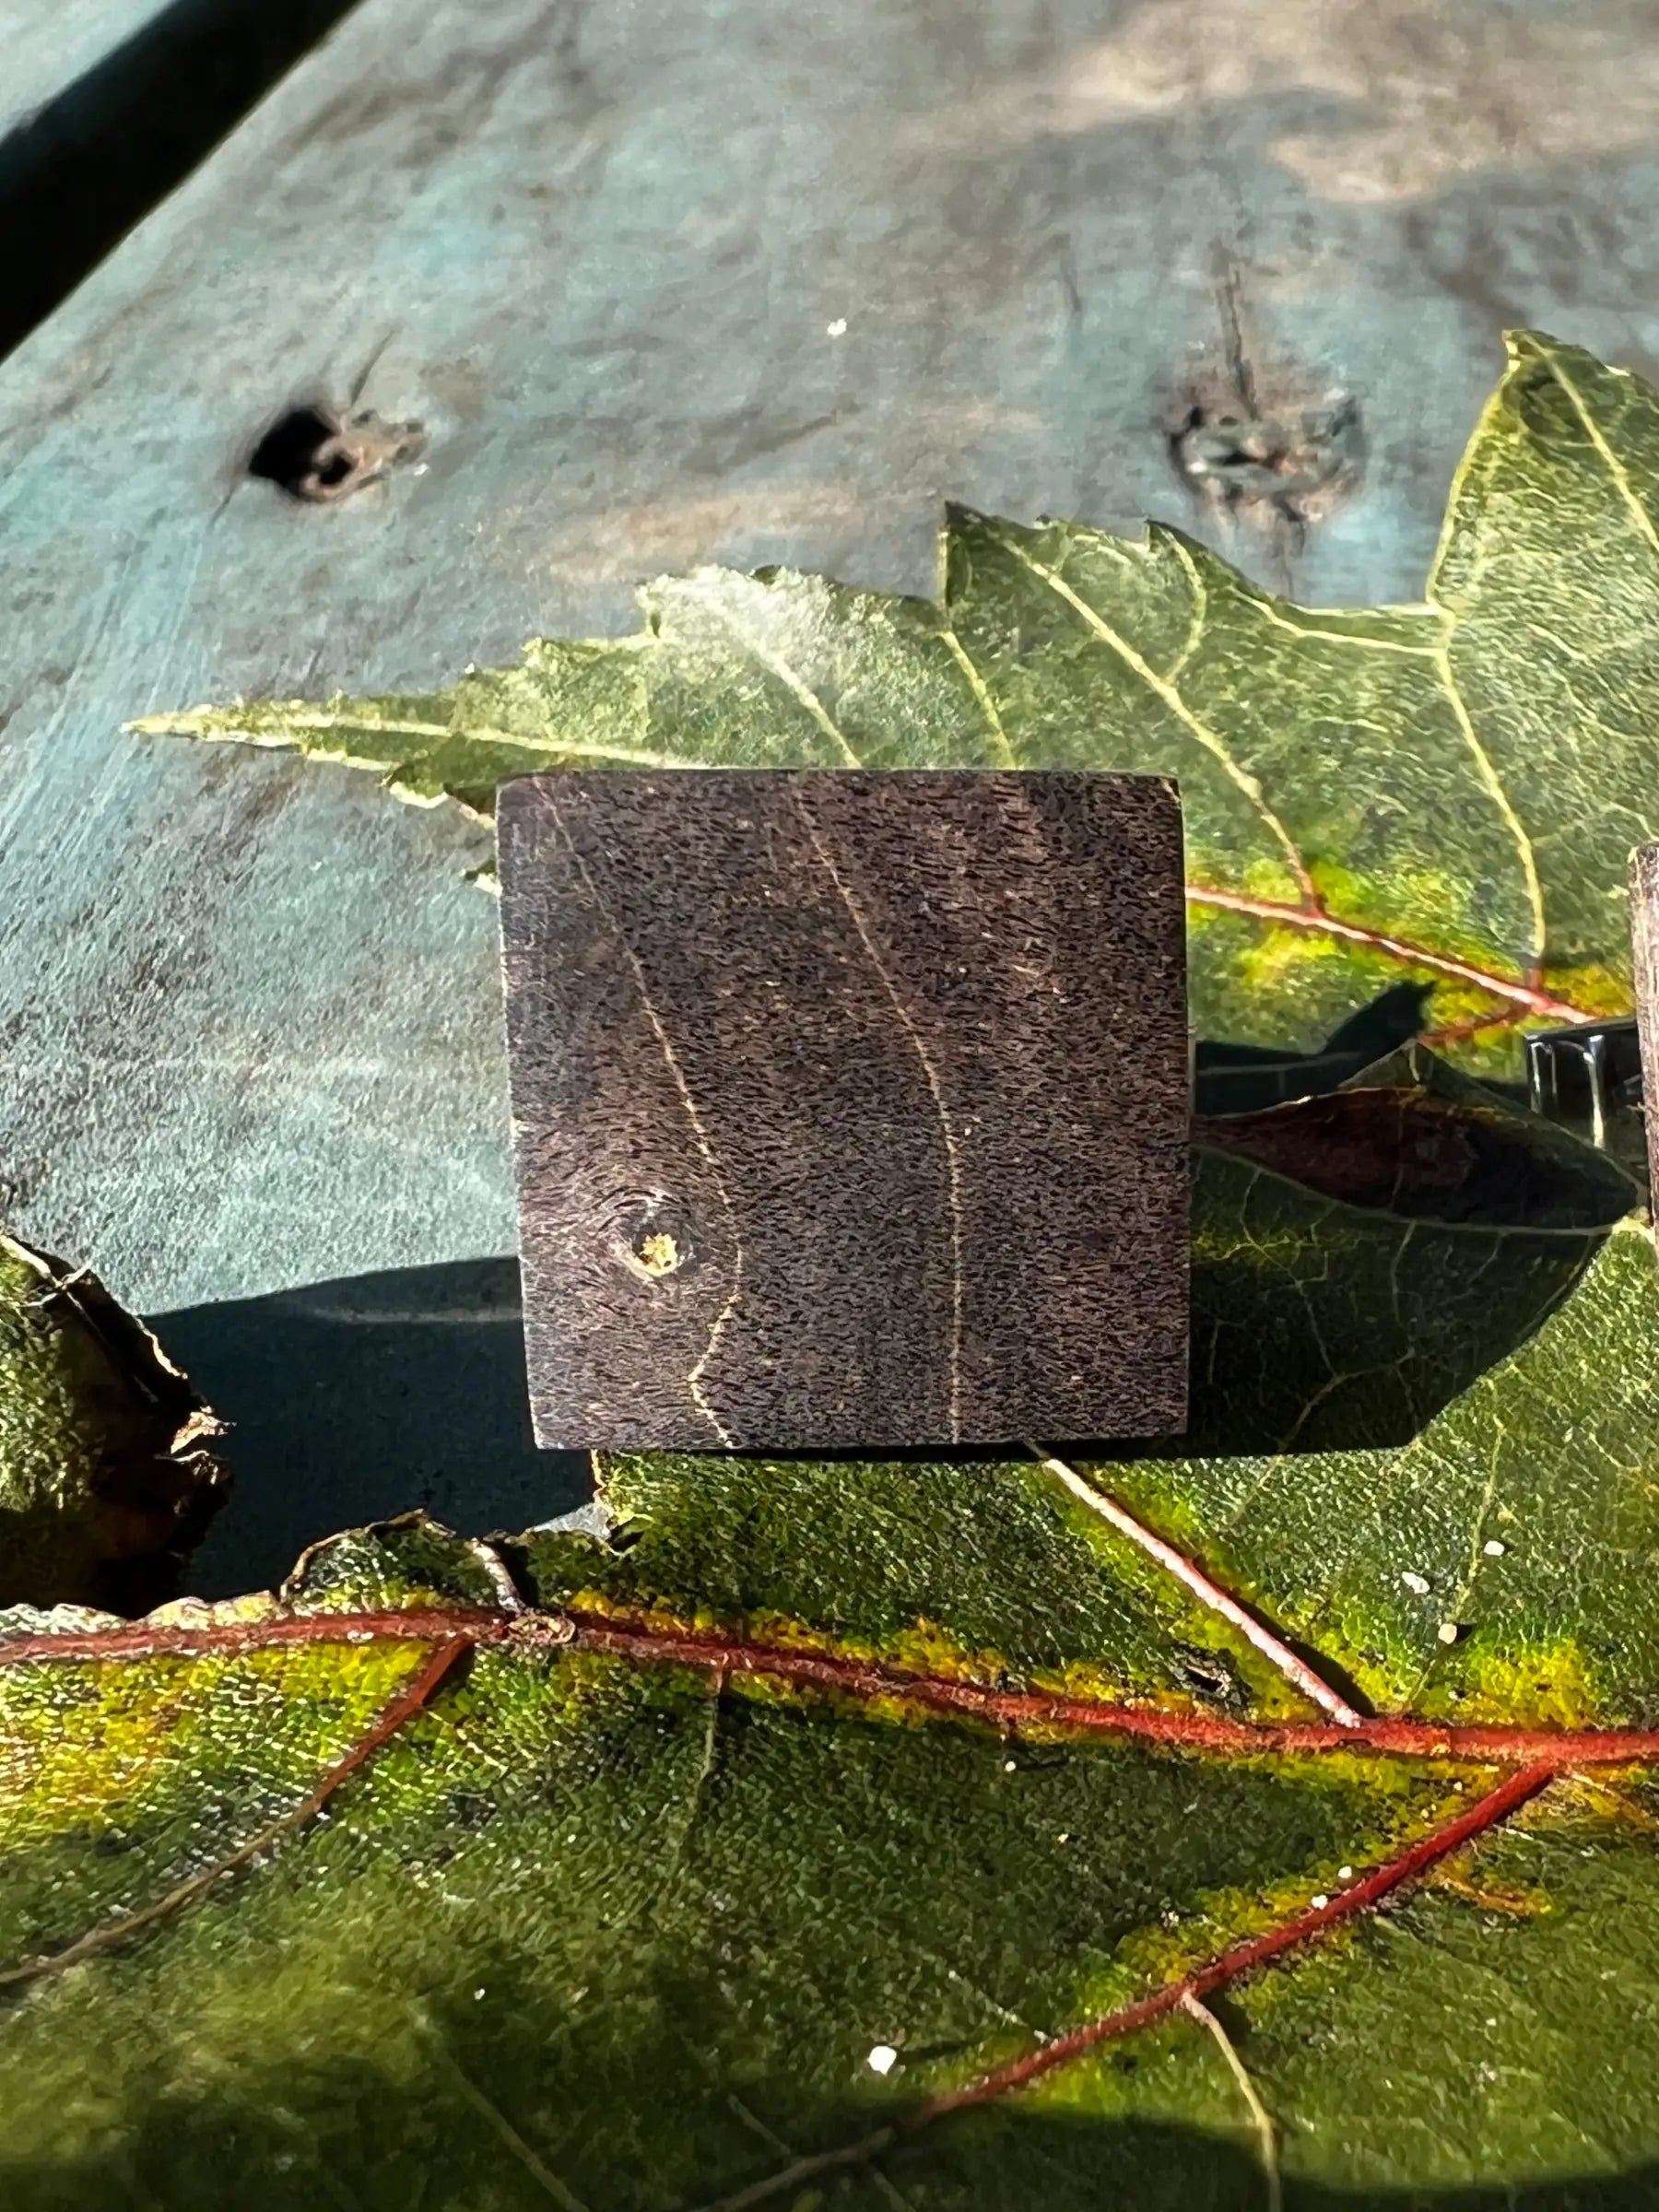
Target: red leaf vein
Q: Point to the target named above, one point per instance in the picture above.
(651, 1642)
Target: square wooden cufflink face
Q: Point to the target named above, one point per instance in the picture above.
(848, 1109)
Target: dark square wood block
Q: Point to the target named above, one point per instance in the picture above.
(849, 1110)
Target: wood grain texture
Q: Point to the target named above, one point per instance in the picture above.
(1644, 945)
(248, 1028)
(848, 1109)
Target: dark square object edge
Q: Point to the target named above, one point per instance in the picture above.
(848, 1109)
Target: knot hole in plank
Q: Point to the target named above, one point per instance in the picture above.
(1257, 437)
(1297, 463)
(319, 455)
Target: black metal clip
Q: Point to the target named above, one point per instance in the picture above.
(1589, 1078)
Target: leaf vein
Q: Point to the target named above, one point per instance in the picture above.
(1609, 458)
(1171, 698)
(790, 678)
(1006, 756)
(1487, 770)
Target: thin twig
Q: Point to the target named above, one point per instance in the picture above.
(1259, 2115)
(1295, 1670)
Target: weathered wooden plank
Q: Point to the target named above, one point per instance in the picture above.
(848, 1109)
(249, 1009)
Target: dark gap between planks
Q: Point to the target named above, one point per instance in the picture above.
(92, 163)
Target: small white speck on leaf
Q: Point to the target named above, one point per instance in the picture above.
(1417, 1584)
(1011, 1766)
(1449, 1631)
(477, 1994)
(1493, 1549)
(1345, 1874)
(1319, 1902)
(882, 2059)
(837, 329)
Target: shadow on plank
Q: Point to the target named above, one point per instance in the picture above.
(357, 1399)
(82, 171)
(361, 1398)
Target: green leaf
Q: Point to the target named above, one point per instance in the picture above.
(1266, 1824)
(1447, 792)
(105, 1485)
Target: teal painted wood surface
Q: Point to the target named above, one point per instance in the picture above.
(248, 1010)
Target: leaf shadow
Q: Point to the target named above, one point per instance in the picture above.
(1230, 1077)
(1459, 1221)
(1303, 1360)
(489, 2104)
(356, 1399)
